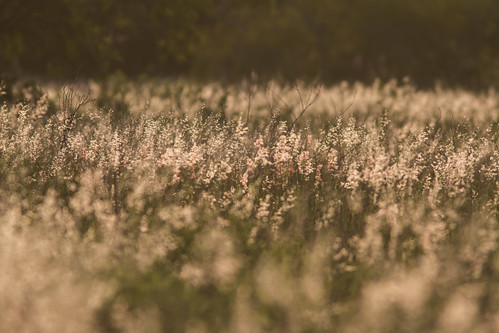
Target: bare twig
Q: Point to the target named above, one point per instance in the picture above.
(350, 105)
(306, 104)
(286, 104)
(270, 103)
(251, 89)
(71, 102)
(333, 103)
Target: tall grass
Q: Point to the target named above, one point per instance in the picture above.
(174, 207)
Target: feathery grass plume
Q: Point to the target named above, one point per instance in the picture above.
(375, 209)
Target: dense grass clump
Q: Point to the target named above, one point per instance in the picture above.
(249, 209)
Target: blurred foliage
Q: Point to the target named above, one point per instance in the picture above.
(454, 41)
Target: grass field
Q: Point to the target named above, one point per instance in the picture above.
(169, 206)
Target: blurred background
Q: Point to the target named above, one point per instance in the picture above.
(453, 42)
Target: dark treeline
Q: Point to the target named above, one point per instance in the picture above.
(454, 41)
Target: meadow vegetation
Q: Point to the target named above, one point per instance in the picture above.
(166, 206)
